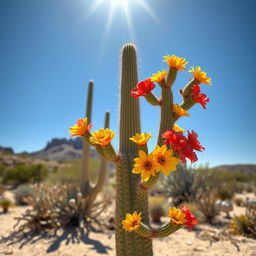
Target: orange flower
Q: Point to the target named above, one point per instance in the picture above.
(80, 128)
(132, 221)
(102, 137)
(200, 76)
(177, 216)
(179, 111)
(141, 139)
(175, 62)
(177, 128)
(159, 76)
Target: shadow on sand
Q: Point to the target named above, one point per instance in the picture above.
(69, 235)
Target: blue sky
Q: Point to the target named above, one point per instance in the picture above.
(50, 49)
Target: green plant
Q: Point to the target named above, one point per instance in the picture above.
(21, 193)
(206, 203)
(183, 185)
(60, 206)
(21, 174)
(5, 204)
(224, 193)
(245, 224)
(157, 208)
(132, 191)
(239, 201)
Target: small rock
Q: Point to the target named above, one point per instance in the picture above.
(188, 243)
(9, 251)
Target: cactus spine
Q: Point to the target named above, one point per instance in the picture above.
(128, 191)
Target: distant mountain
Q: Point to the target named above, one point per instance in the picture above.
(6, 150)
(62, 149)
(243, 168)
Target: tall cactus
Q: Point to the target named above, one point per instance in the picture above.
(172, 148)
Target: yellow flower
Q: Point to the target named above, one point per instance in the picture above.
(141, 139)
(145, 165)
(176, 128)
(177, 216)
(165, 160)
(159, 76)
(179, 110)
(80, 128)
(175, 62)
(102, 137)
(132, 221)
(200, 76)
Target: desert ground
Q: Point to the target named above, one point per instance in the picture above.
(203, 240)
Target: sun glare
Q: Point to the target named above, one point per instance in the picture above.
(123, 7)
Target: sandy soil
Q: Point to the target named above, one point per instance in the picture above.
(204, 240)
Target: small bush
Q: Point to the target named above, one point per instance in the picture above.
(206, 203)
(245, 224)
(157, 208)
(2, 170)
(21, 174)
(184, 184)
(5, 204)
(239, 201)
(224, 192)
(22, 193)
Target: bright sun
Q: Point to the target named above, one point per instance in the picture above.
(126, 7)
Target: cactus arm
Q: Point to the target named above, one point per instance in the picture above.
(163, 231)
(166, 122)
(152, 99)
(85, 171)
(128, 244)
(171, 77)
(187, 90)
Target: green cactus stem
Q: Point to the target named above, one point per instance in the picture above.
(129, 196)
(165, 230)
(152, 99)
(187, 90)
(171, 77)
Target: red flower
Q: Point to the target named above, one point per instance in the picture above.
(191, 219)
(199, 97)
(182, 145)
(143, 88)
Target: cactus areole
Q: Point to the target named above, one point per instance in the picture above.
(132, 226)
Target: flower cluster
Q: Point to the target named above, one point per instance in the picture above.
(102, 137)
(178, 216)
(161, 159)
(184, 146)
(199, 97)
(182, 216)
(143, 88)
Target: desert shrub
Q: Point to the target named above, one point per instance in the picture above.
(22, 193)
(239, 201)
(224, 192)
(184, 184)
(21, 174)
(60, 206)
(157, 206)
(206, 203)
(2, 190)
(2, 170)
(245, 224)
(5, 204)
(248, 188)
